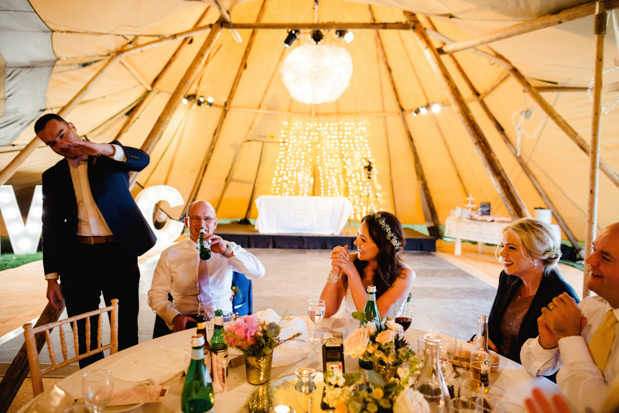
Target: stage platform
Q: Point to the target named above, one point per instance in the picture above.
(247, 237)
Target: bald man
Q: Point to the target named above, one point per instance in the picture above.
(567, 329)
(190, 280)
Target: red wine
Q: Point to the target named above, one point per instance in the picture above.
(404, 322)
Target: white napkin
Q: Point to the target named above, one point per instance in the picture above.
(52, 400)
(269, 315)
(157, 364)
(293, 350)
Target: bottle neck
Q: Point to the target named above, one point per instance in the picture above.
(372, 296)
(197, 353)
(481, 341)
(431, 353)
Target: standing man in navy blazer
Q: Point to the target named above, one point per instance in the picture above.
(93, 231)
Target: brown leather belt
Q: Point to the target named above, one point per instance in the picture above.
(95, 240)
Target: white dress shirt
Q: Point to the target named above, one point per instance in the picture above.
(177, 273)
(579, 378)
(90, 222)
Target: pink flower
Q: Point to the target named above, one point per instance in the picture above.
(244, 332)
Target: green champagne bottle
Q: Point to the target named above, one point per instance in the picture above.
(371, 309)
(197, 395)
(371, 315)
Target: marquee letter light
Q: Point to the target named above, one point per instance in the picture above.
(148, 198)
(24, 238)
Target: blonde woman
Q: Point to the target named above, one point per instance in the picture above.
(530, 280)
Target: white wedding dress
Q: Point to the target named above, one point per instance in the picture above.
(395, 310)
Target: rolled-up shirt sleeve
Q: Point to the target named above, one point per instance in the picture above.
(246, 262)
(579, 379)
(537, 360)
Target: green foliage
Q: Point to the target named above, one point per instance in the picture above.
(359, 315)
(8, 261)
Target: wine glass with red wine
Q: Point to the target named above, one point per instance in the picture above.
(406, 318)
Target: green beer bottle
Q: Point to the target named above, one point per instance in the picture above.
(205, 251)
(201, 330)
(197, 395)
(219, 350)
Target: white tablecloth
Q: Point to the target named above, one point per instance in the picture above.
(302, 214)
(512, 384)
(481, 231)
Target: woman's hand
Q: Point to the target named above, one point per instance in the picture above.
(340, 258)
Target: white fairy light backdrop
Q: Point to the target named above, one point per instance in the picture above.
(336, 153)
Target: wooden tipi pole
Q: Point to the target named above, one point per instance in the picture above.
(537, 23)
(224, 113)
(181, 89)
(427, 203)
(540, 190)
(155, 83)
(600, 32)
(501, 181)
(546, 107)
(10, 169)
(557, 118)
(248, 134)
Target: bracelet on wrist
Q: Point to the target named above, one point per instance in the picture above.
(227, 253)
(333, 278)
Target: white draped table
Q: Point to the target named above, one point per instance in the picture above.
(480, 231)
(511, 383)
(302, 214)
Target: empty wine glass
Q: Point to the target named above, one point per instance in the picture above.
(447, 349)
(316, 311)
(97, 388)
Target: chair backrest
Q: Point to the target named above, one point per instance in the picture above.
(242, 302)
(31, 346)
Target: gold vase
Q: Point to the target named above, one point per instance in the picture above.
(387, 372)
(261, 399)
(258, 369)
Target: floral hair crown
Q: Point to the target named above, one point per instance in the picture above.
(383, 224)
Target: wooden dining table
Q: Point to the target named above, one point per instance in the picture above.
(511, 384)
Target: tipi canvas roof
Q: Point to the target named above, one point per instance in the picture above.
(514, 128)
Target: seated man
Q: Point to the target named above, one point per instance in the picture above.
(582, 338)
(190, 280)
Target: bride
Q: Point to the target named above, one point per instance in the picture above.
(380, 238)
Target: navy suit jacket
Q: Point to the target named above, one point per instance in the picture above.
(109, 183)
(551, 286)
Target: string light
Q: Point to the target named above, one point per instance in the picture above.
(327, 157)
